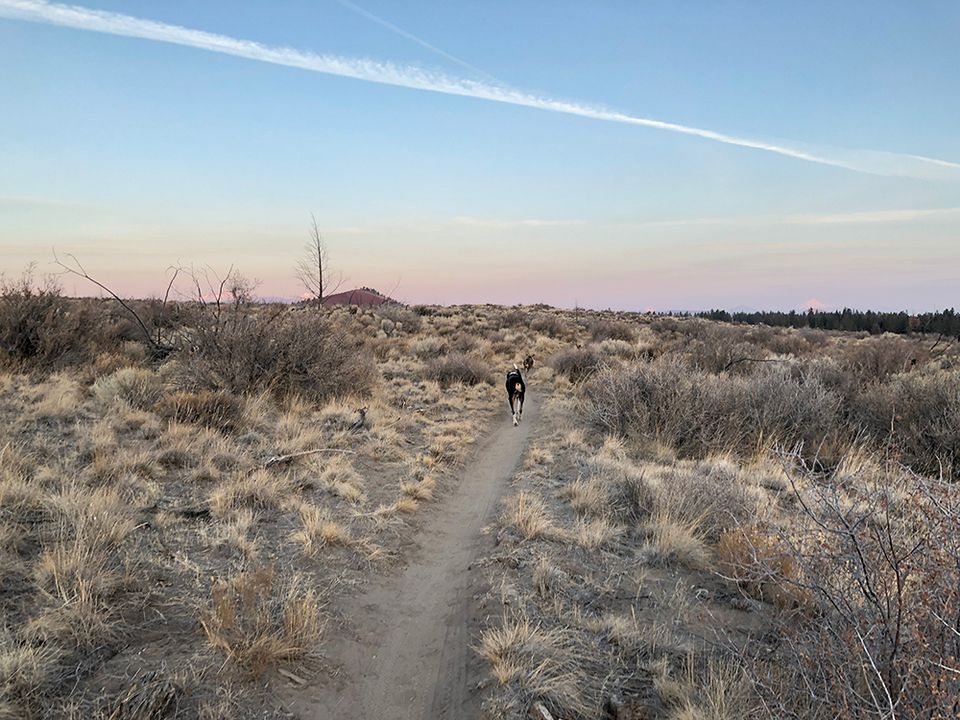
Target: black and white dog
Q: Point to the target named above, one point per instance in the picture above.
(515, 392)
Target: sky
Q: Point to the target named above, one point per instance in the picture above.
(630, 155)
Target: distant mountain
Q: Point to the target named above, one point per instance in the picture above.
(364, 297)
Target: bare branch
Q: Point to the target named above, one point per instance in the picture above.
(80, 271)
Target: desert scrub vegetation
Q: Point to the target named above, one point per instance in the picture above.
(459, 368)
(865, 572)
(779, 512)
(272, 350)
(41, 331)
(698, 413)
(576, 363)
(143, 497)
(258, 622)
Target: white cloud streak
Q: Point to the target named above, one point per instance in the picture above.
(413, 38)
(414, 77)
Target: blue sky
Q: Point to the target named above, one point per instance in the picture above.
(136, 154)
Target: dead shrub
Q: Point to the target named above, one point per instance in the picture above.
(403, 318)
(877, 358)
(762, 564)
(428, 348)
(44, 331)
(257, 621)
(612, 330)
(576, 363)
(879, 570)
(213, 409)
(458, 368)
(698, 413)
(244, 350)
(919, 415)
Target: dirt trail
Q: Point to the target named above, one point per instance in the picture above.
(406, 654)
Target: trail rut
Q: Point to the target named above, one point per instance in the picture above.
(405, 654)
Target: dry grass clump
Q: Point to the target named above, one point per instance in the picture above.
(213, 409)
(339, 477)
(26, 671)
(595, 533)
(258, 621)
(615, 489)
(258, 490)
(713, 495)
(421, 489)
(541, 664)
(576, 363)
(719, 691)
(761, 562)
(675, 542)
(138, 387)
(458, 368)
(528, 514)
(235, 532)
(58, 399)
(538, 456)
(319, 530)
(82, 569)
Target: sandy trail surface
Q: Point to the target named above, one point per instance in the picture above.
(405, 654)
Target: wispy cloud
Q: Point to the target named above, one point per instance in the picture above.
(849, 218)
(409, 76)
(513, 223)
(27, 201)
(413, 38)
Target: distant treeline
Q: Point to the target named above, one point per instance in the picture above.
(945, 323)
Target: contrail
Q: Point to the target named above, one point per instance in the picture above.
(419, 41)
(410, 76)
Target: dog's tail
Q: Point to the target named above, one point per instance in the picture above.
(515, 367)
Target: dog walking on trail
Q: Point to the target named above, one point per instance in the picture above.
(515, 391)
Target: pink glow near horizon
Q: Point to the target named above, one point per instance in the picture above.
(884, 265)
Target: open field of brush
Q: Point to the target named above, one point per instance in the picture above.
(710, 520)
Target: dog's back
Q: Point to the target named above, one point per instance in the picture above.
(515, 392)
(515, 384)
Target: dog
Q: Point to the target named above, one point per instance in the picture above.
(528, 363)
(515, 392)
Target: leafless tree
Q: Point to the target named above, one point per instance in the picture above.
(313, 270)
